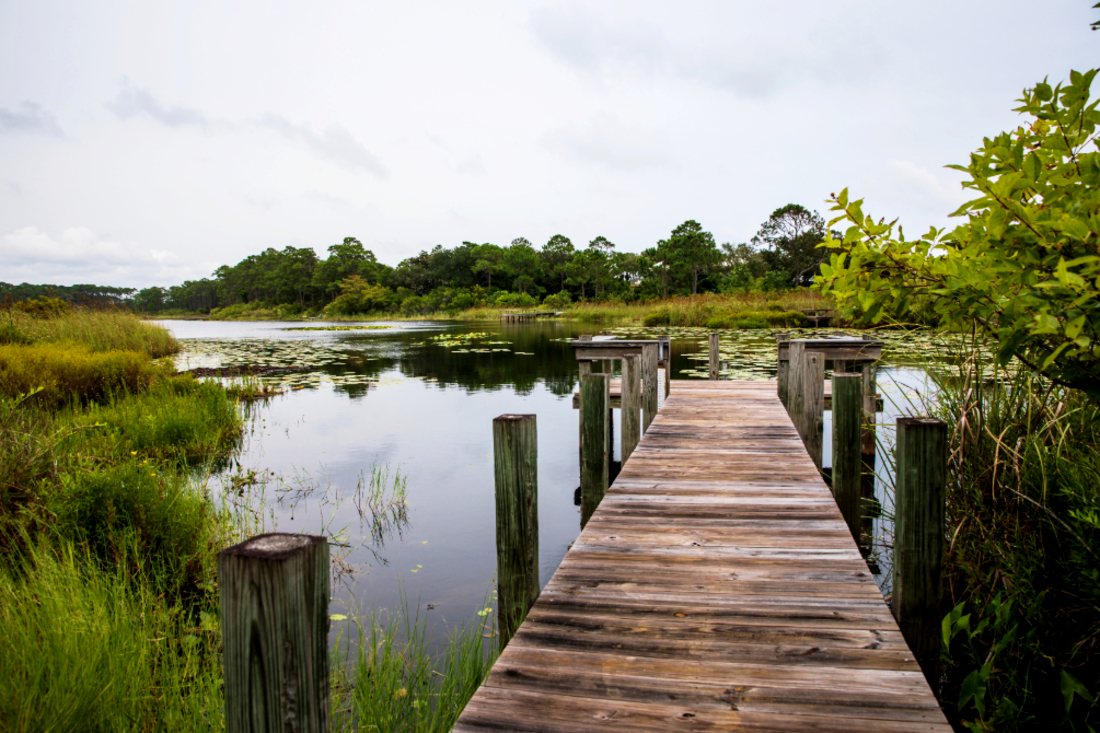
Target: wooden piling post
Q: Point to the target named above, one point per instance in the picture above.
(631, 405)
(583, 367)
(781, 367)
(649, 385)
(713, 354)
(812, 374)
(274, 606)
(847, 455)
(870, 409)
(595, 398)
(794, 382)
(666, 354)
(918, 537)
(515, 468)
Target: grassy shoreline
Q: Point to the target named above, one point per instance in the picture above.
(109, 538)
(692, 310)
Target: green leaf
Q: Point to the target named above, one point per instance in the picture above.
(842, 199)
(1032, 166)
(1043, 91)
(973, 688)
(1072, 686)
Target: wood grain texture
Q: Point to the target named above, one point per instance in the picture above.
(594, 443)
(918, 537)
(274, 604)
(715, 588)
(847, 454)
(631, 387)
(515, 471)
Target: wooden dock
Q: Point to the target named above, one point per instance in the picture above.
(716, 587)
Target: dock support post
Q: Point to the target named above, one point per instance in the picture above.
(595, 399)
(812, 374)
(781, 367)
(713, 349)
(666, 354)
(515, 468)
(918, 537)
(794, 382)
(649, 385)
(847, 455)
(631, 405)
(870, 408)
(583, 367)
(274, 599)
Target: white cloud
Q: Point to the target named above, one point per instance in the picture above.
(80, 255)
(29, 117)
(335, 144)
(471, 165)
(607, 142)
(131, 102)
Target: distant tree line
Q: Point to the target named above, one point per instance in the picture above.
(350, 279)
(86, 295)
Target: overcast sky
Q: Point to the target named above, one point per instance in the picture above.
(150, 142)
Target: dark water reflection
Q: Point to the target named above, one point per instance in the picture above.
(395, 398)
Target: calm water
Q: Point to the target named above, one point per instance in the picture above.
(419, 398)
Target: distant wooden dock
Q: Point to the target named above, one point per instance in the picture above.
(716, 587)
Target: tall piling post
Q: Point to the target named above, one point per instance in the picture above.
(712, 344)
(918, 537)
(515, 469)
(595, 399)
(847, 456)
(781, 366)
(274, 612)
(583, 367)
(812, 419)
(794, 382)
(666, 355)
(631, 405)
(649, 385)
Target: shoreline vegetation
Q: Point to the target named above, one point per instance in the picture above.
(709, 310)
(109, 535)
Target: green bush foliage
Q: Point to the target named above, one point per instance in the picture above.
(1023, 266)
(515, 300)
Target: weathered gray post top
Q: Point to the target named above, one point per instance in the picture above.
(602, 347)
(837, 348)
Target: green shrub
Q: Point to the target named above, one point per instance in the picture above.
(558, 300)
(135, 509)
(659, 316)
(515, 300)
(9, 334)
(42, 307)
(757, 319)
(65, 372)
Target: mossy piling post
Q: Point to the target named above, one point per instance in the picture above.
(812, 417)
(274, 607)
(847, 453)
(515, 468)
(918, 537)
(595, 400)
(712, 343)
(631, 405)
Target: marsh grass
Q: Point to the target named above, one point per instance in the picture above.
(97, 329)
(387, 679)
(63, 372)
(88, 650)
(1022, 570)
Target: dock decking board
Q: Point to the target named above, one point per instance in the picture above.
(715, 588)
